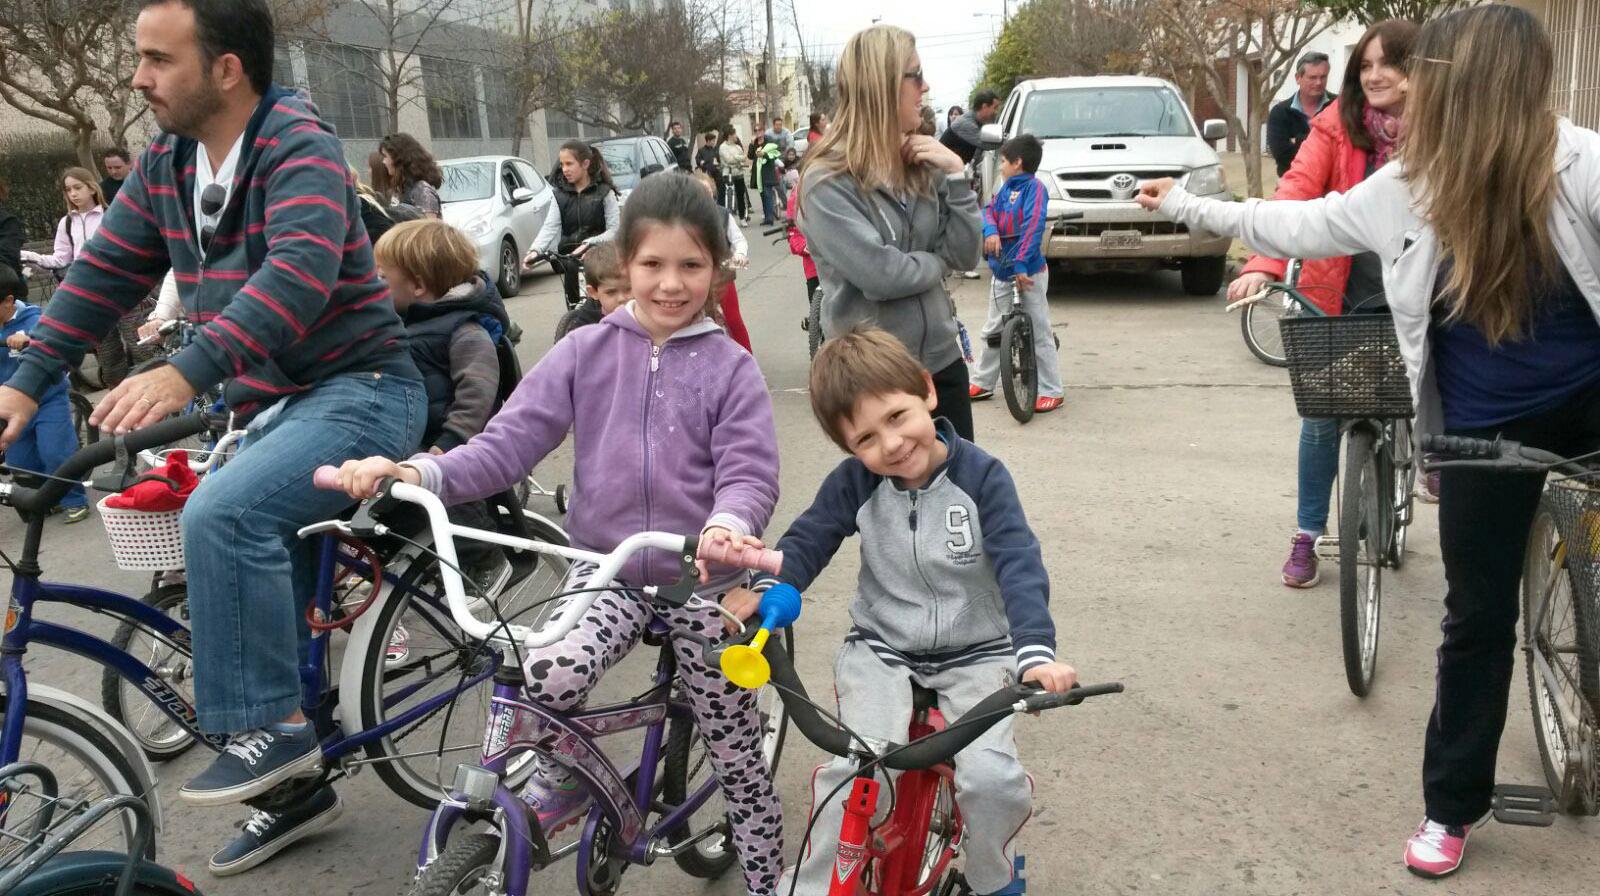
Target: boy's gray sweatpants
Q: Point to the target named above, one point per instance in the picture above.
(1037, 306)
(993, 790)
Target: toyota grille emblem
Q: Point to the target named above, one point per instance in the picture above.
(1123, 182)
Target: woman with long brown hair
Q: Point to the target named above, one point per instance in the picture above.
(1349, 140)
(887, 211)
(414, 175)
(1488, 230)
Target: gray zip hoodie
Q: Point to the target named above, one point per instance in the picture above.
(882, 258)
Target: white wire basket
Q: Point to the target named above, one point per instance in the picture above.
(143, 540)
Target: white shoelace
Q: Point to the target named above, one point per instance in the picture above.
(259, 820)
(1433, 834)
(250, 745)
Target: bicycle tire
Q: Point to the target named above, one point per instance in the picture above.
(942, 836)
(1019, 374)
(682, 735)
(1259, 323)
(96, 873)
(570, 320)
(166, 740)
(97, 883)
(1573, 780)
(61, 733)
(1403, 479)
(1360, 561)
(463, 863)
(814, 322)
(420, 780)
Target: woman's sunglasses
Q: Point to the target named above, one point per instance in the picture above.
(915, 76)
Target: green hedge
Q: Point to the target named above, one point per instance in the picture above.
(32, 165)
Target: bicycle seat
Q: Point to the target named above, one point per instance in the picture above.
(923, 700)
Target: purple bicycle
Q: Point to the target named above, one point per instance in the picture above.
(663, 804)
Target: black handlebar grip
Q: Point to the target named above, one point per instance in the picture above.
(1071, 698)
(827, 736)
(80, 463)
(1463, 447)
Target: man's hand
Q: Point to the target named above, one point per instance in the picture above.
(18, 341)
(1247, 285)
(1024, 281)
(716, 536)
(1055, 677)
(16, 409)
(142, 400)
(991, 245)
(741, 602)
(920, 149)
(1152, 192)
(360, 478)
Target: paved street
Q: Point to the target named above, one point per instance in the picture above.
(1237, 761)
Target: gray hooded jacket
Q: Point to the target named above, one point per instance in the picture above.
(882, 258)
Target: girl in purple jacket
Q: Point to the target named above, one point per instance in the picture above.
(672, 431)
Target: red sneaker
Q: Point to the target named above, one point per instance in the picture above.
(979, 393)
(1435, 850)
(1046, 404)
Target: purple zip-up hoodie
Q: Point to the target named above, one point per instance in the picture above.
(669, 438)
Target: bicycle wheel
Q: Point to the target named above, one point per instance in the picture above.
(464, 868)
(814, 321)
(416, 654)
(1403, 464)
(1564, 723)
(82, 408)
(1362, 513)
(688, 768)
(159, 736)
(570, 320)
(1258, 322)
(1019, 377)
(943, 833)
(88, 768)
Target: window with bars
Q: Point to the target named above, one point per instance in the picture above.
(502, 106)
(1574, 31)
(452, 91)
(344, 85)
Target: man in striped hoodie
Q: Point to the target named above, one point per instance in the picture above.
(247, 198)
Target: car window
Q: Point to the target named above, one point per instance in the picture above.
(1105, 112)
(619, 158)
(466, 181)
(530, 176)
(510, 181)
(663, 154)
(1009, 114)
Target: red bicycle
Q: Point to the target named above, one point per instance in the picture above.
(912, 853)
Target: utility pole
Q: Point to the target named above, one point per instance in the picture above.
(772, 67)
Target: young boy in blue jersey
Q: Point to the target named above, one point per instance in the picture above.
(49, 438)
(1014, 229)
(952, 595)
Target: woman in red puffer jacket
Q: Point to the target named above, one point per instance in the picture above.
(1349, 140)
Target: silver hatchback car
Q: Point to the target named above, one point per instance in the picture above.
(500, 203)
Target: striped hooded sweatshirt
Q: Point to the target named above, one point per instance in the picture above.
(286, 291)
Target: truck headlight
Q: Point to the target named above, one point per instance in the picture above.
(1052, 188)
(1206, 181)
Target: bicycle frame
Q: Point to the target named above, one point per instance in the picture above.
(517, 726)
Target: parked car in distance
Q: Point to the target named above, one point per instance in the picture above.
(1103, 137)
(631, 158)
(499, 202)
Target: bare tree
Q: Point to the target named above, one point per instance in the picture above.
(816, 68)
(1261, 37)
(1369, 11)
(627, 66)
(528, 59)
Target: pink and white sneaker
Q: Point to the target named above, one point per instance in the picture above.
(1435, 850)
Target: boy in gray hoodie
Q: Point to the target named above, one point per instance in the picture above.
(952, 595)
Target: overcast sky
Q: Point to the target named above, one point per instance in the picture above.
(952, 35)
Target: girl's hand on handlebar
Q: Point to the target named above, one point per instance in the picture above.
(360, 478)
(1152, 193)
(740, 602)
(717, 535)
(1247, 285)
(1055, 677)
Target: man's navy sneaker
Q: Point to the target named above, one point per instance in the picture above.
(268, 832)
(252, 764)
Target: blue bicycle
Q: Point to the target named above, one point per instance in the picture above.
(404, 661)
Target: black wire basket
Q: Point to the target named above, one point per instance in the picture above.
(1346, 366)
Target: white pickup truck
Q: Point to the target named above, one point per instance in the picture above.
(1104, 136)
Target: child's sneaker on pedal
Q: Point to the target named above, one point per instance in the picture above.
(1301, 569)
(556, 805)
(978, 393)
(266, 833)
(1435, 850)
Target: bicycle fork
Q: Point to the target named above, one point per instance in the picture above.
(851, 861)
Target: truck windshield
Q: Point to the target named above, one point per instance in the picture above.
(1106, 112)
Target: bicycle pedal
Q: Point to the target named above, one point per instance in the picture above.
(1524, 805)
(1327, 547)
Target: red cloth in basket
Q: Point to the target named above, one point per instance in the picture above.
(154, 495)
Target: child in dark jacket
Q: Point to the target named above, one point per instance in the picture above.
(48, 438)
(1013, 240)
(953, 594)
(453, 316)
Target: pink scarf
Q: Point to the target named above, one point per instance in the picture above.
(1384, 129)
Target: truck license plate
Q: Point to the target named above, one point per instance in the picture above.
(1121, 239)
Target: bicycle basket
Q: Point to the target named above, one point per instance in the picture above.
(143, 540)
(1576, 503)
(1346, 366)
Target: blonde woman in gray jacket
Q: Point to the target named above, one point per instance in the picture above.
(1488, 227)
(886, 212)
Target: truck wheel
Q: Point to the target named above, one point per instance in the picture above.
(1204, 276)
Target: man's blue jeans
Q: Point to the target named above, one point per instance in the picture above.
(250, 578)
(1319, 464)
